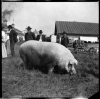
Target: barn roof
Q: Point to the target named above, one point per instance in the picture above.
(18, 31)
(77, 28)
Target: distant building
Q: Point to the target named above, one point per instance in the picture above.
(20, 33)
(4, 24)
(75, 29)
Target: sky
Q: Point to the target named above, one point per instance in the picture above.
(42, 15)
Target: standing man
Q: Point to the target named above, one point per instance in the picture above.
(29, 35)
(65, 40)
(41, 37)
(58, 38)
(74, 46)
(13, 39)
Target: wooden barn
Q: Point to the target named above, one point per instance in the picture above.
(75, 30)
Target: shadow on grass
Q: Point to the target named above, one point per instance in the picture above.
(44, 69)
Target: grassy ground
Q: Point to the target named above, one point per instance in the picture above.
(19, 82)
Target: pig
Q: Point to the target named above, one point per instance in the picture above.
(36, 54)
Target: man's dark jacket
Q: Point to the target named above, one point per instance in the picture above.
(43, 37)
(13, 36)
(65, 41)
(13, 39)
(29, 36)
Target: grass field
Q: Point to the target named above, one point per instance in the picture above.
(21, 82)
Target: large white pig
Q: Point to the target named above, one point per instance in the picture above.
(47, 55)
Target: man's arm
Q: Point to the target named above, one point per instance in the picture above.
(15, 33)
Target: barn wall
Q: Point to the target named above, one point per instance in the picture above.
(85, 38)
(92, 39)
(95, 45)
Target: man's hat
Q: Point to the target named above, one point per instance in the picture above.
(40, 31)
(28, 28)
(10, 26)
